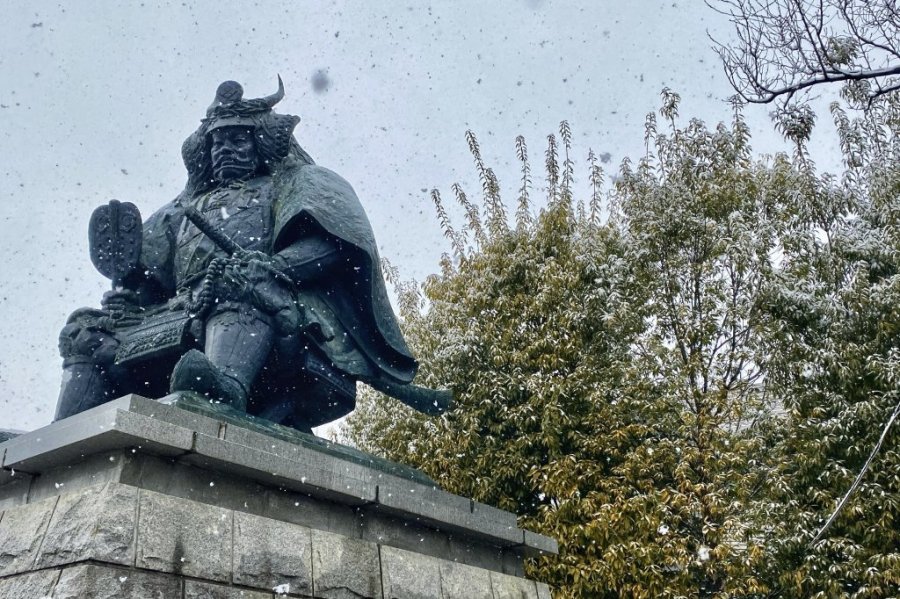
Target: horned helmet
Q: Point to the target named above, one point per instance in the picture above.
(273, 132)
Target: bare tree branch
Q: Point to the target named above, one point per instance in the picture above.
(786, 47)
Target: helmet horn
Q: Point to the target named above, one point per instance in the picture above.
(275, 98)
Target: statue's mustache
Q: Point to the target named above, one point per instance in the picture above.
(231, 162)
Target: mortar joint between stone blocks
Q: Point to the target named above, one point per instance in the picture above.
(375, 501)
(231, 556)
(384, 591)
(40, 546)
(137, 525)
(56, 580)
(312, 565)
(441, 582)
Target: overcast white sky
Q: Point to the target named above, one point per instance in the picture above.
(97, 97)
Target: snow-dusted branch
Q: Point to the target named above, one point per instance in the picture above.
(786, 47)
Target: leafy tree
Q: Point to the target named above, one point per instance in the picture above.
(621, 380)
(700, 221)
(510, 325)
(835, 347)
(607, 373)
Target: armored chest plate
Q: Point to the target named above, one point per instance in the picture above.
(244, 214)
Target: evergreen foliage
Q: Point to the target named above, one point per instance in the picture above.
(620, 364)
(835, 347)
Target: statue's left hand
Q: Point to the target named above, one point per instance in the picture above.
(244, 272)
(246, 256)
(257, 278)
(255, 262)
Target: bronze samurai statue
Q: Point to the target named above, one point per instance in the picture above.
(259, 286)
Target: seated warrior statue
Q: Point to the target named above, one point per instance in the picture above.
(259, 286)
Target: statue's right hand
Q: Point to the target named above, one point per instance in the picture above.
(119, 300)
(180, 302)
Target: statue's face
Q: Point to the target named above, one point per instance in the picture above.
(233, 153)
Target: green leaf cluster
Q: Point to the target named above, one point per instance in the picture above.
(679, 377)
(834, 340)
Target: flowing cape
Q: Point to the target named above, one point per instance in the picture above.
(358, 297)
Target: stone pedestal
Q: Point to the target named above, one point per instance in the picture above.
(142, 498)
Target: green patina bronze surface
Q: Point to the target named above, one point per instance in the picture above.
(198, 404)
(259, 286)
(7, 435)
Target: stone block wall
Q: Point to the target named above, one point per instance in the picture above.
(115, 540)
(139, 498)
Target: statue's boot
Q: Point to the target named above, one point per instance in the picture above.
(84, 386)
(235, 350)
(194, 372)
